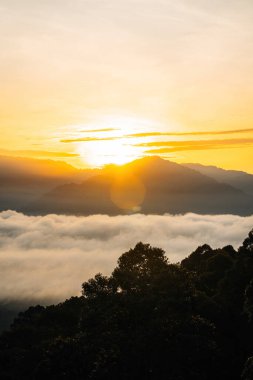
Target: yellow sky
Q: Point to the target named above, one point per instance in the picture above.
(77, 78)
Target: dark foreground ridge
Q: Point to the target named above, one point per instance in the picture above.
(148, 320)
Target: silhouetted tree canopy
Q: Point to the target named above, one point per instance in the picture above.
(149, 320)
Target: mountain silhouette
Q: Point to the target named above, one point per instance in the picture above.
(235, 178)
(23, 180)
(149, 185)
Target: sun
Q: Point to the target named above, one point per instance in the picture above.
(100, 153)
(108, 142)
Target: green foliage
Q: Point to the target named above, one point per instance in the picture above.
(149, 320)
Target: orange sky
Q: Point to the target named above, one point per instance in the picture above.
(92, 82)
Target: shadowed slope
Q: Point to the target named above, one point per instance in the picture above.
(165, 186)
(23, 180)
(238, 179)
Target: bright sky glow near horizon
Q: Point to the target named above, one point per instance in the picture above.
(99, 81)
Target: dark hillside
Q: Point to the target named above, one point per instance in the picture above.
(148, 320)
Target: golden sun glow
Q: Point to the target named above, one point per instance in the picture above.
(107, 141)
(101, 153)
(128, 191)
(77, 80)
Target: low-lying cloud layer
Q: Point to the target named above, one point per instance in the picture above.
(47, 258)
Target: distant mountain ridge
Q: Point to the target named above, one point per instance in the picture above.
(169, 188)
(23, 180)
(239, 179)
(154, 185)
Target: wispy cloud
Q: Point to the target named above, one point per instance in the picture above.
(160, 147)
(193, 133)
(99, 130)
(151, 134)
(37, 153)
(89, 139)
(49, 257)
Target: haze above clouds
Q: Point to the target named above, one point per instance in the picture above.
(45, 259)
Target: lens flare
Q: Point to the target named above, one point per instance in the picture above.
(128, 192)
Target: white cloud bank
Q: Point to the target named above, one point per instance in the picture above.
(48, 257)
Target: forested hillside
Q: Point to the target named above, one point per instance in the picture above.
(149, 320)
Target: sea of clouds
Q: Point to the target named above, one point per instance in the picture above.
(48, 257)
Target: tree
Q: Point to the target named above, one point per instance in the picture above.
(138, 267)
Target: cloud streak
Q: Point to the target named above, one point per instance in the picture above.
(45, 259)
(37, 153)
(89, 139)
(159, 134)
(99, 130)
(160, 147)
(193, 133)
